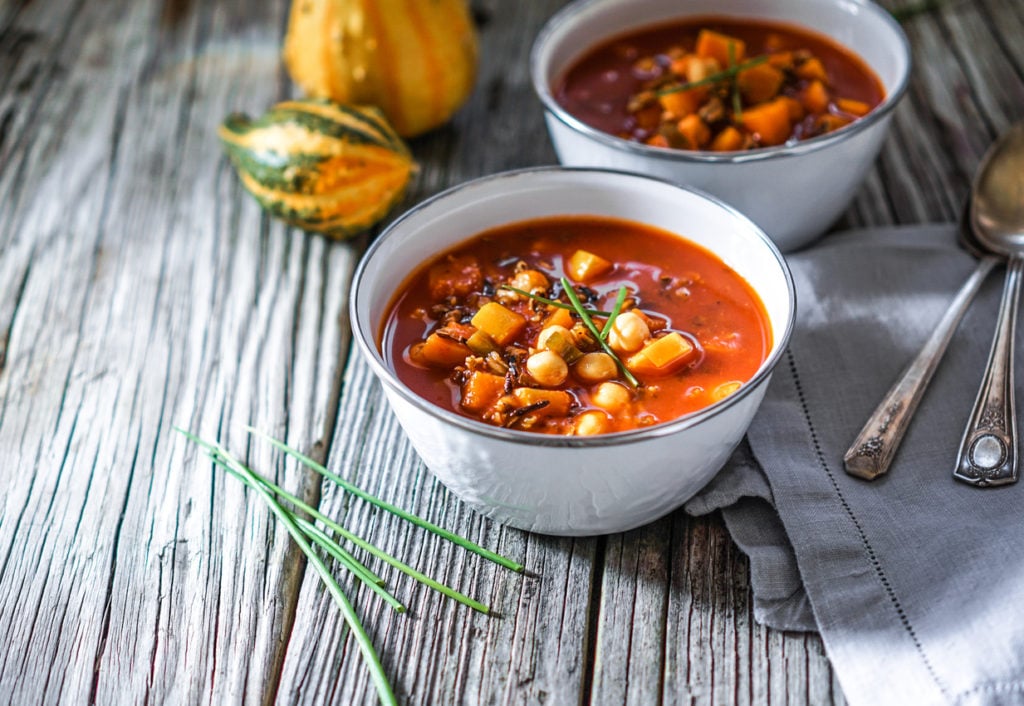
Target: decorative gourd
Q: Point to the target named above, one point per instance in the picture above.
(323, 167)
(415, 59)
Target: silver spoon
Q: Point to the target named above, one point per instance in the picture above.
(988, 450)
(871, 453)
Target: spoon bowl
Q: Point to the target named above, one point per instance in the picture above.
(997, 212)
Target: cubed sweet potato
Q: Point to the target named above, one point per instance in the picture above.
(683, 103)
(812, 69)
(440, 352)
(715, 45)
(853, 107)
(829, 122)
(760, 83)
(815, 97)
(662, 355)
(498, 322)
(695, 131)
(769, 121)
(558, 401)
(558, 317)
(728, 140)
(584, 266)
(481, 390)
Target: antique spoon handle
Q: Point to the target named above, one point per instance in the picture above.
(872, 451)
(988, 450)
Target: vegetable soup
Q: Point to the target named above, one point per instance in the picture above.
(575, 325)
(719, 84)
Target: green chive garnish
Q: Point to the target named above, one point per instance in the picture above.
(551, 302)
(737, 102)
(387, 507)
(724, 75)
(380, 680)
(589, 323)
(619, 301)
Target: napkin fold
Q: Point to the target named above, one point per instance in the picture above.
(915, 581)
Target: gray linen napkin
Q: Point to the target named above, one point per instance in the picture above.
(916, 582)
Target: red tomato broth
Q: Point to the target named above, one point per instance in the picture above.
(720, 312)
(598, 87)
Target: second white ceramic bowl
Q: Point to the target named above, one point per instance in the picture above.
(555, 484)
(793, 192)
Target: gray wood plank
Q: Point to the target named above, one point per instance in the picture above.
(154, 293)
(140, 288)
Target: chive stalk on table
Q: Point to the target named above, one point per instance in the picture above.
(388, 507)
(307, 534)
(380, 681)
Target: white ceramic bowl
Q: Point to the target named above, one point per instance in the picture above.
(793, 192)
(570, 485)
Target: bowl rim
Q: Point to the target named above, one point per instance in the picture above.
(388, 377)
(569, 13)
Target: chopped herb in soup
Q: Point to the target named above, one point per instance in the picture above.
(576, 326)
(719, 84)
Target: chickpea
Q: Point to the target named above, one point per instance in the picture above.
(611, 396)
(530, 281)
(595, 367)
(592, 422)
(545, 334)
(547, 368)
(725, 389)
(629, 333)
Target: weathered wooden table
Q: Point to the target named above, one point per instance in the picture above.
(140, 287)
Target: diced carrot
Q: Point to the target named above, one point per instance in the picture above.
(441, 352)
(481, 390)
(812, 69)
(815, 97)
(683, 103)
(663, 355)
(728, 140)
(716, 45)
(693, 129)
(760, 83)
(769, 121)
(584, 266)
(558, 401)
(853, 107)
(455, 276)
(658, 140)
(501, 324)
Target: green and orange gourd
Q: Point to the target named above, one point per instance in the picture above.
(320, 166)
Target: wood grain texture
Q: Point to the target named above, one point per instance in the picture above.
(141, 288)
(153, 293)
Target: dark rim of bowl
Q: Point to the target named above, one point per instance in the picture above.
(567, 14)
(387, 375)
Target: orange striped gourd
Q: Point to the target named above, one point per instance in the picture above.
(323, 167)
(415, 59)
